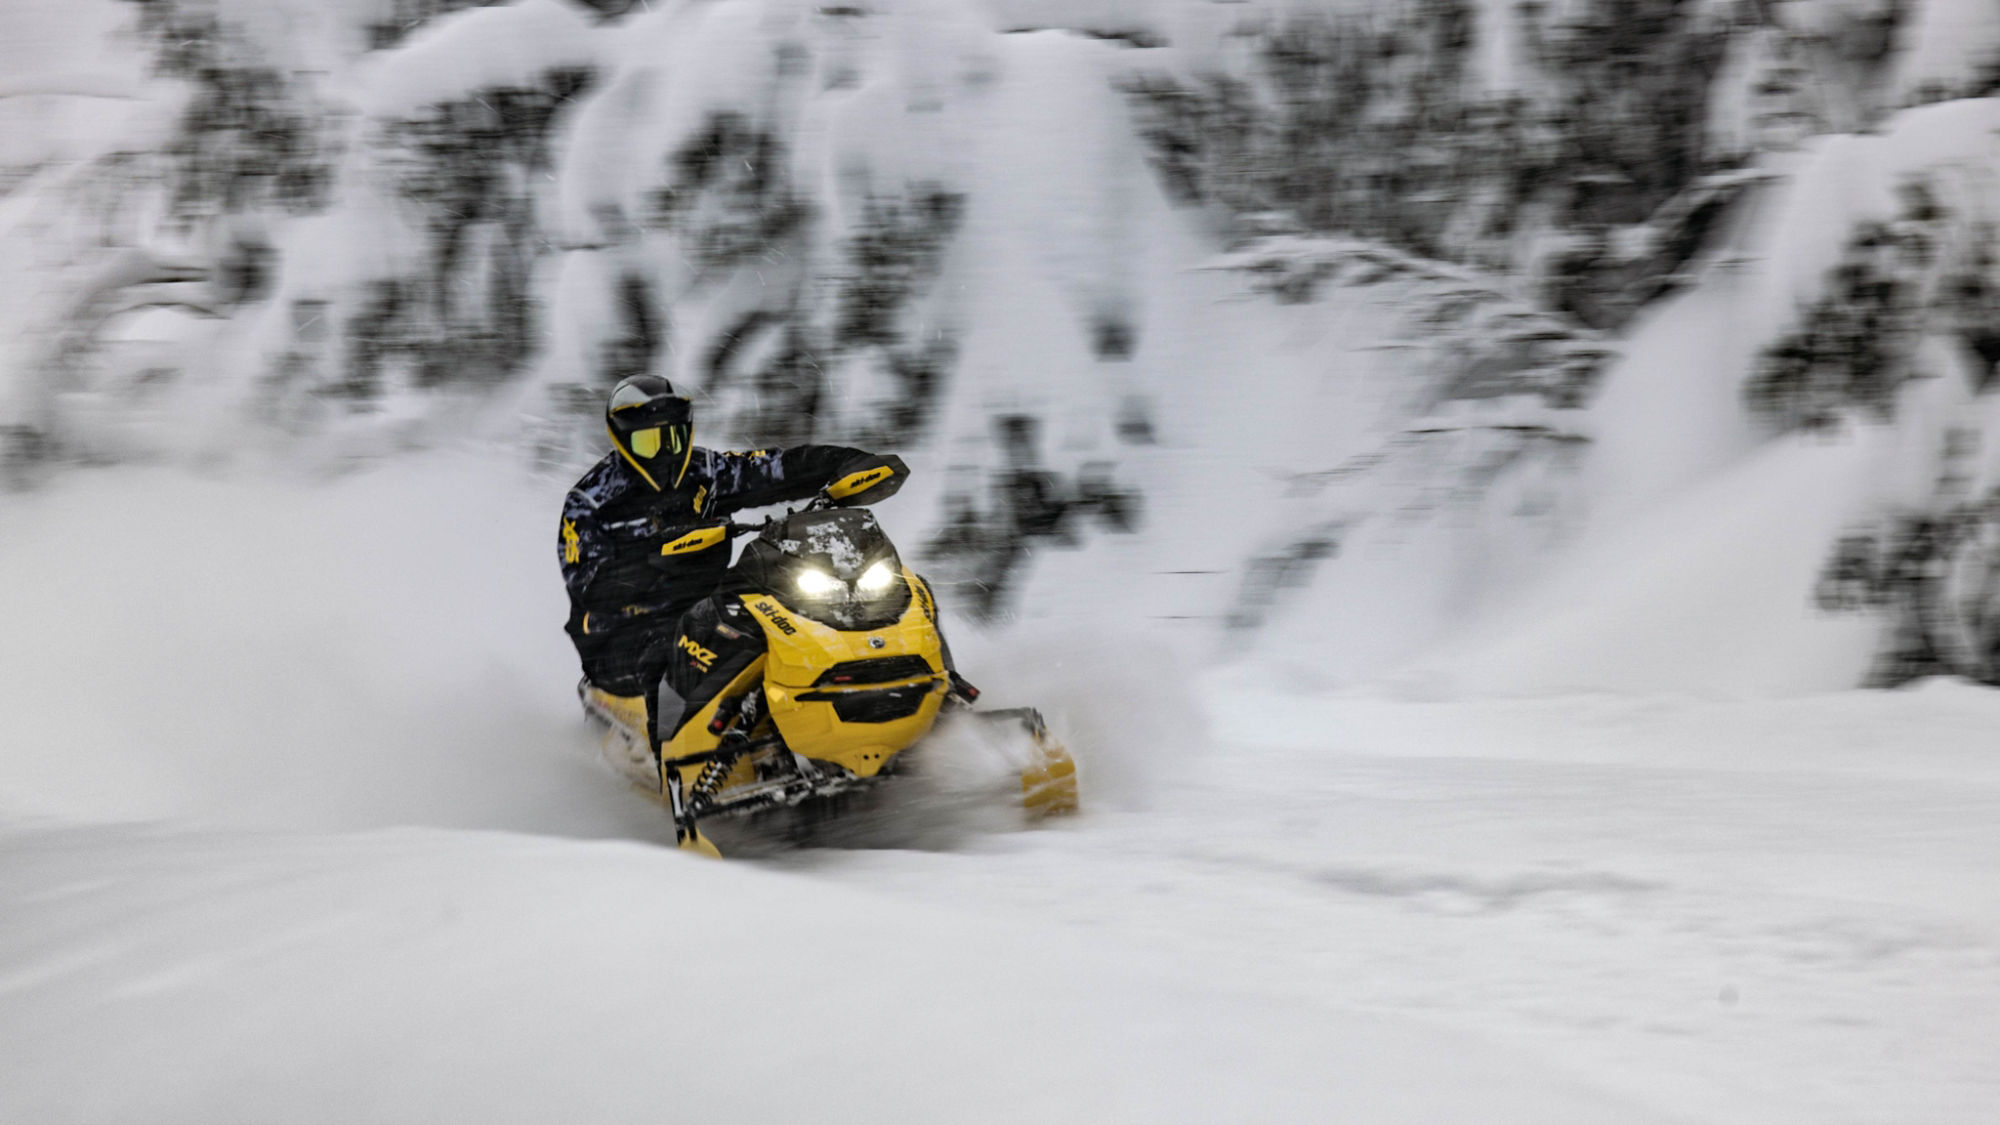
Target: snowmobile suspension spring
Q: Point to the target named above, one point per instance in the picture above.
(711, 777)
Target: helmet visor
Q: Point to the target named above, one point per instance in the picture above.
(650, 441)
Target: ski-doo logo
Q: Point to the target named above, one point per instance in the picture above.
(777, 619)
(857, 482)
(572, 543)
(700, 540)
(702, 656)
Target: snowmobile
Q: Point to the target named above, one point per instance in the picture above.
(852, 680)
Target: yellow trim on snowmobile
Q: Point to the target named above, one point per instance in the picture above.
(803, 650)
(694, 737)
(859, 482)
(699, 540)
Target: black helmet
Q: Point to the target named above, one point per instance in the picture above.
(652, 427)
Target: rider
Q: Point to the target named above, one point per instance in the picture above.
(643, 540)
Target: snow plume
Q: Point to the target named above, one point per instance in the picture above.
(1129, 707)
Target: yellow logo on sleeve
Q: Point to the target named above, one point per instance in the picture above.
(572, 543)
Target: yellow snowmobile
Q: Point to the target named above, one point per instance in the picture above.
(852, 677)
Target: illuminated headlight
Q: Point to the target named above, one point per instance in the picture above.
(876, 579)
(817, 583)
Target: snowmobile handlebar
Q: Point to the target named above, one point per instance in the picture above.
(819, 503)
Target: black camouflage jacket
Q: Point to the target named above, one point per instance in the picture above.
(633, 556)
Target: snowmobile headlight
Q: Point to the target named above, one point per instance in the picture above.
(876, 579)
(817, 583)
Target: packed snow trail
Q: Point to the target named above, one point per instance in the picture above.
(386, 877)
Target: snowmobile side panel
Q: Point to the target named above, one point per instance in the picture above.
(696, 735)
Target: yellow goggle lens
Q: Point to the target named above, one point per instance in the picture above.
(646, 443)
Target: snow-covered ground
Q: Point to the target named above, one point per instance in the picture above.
(298, 822)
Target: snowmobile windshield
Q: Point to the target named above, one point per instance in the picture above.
(837, 568)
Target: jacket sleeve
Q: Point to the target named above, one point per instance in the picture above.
(597, 573)
(750, 480)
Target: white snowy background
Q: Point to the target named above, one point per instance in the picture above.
(1470, 731)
